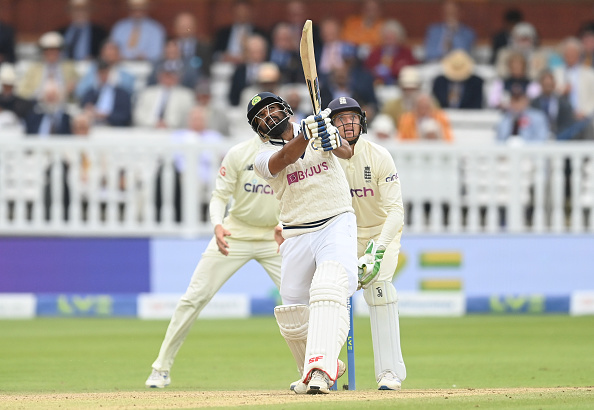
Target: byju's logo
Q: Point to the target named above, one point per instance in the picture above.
(300, 175)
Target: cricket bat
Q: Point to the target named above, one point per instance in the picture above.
(308, 60)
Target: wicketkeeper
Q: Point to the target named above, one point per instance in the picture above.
(377, 200)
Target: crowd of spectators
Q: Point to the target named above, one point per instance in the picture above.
(543, 93)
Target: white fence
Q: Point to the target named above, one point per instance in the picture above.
(138, 184)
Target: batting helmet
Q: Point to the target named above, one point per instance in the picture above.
(257, 104)
(342, 104)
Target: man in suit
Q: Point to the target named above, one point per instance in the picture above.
(229, 40)
(165, 105)
(522, 121)
(82, 38)
(48, 116)
(52, 68)
(6, 43)
(193, 49)
(284, 52)
(108, 103)
(138, 36)
(246, 74)
(458, 87)
(556, 107)
(450, 34)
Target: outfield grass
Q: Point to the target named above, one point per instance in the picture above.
(473, 352)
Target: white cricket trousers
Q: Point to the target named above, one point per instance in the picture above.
(213, 270)
(302, 254)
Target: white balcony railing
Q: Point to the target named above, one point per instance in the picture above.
(138, 184)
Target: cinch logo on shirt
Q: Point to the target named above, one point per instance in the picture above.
(361, 193)
(299, 175)
(392, 177)
(255, 188)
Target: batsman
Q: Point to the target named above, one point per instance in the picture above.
(377, 201)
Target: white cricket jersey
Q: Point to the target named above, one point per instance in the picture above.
(375, 190)
(255, 210)
(311, 191)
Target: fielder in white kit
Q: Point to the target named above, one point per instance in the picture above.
(246, 233)
(377, 200)
(319, 257)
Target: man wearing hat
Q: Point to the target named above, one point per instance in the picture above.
(138, 36)
(52, 68)
(9, 102)
(458, 87)
(82, 38)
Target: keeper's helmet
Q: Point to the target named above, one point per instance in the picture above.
(268, 115)
(341, 114)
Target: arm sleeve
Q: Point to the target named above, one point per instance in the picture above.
(224, 187)
(391, 197)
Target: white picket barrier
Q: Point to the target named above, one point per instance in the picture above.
(110, 180)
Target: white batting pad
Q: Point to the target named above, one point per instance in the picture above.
(328, 319)
(293, 323)
(382, 299)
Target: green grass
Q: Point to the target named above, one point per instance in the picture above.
(109, 355)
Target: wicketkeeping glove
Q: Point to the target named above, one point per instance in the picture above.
(369, 264)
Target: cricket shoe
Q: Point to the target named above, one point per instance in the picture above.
(319, 383)
(158, 379)
(388, 381)
(301, 388)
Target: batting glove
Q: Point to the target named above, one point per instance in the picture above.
(315, 125)
(369, 264)
(328, 140)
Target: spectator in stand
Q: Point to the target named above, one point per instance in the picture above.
(165, 105)
(524, 41)
(52, 68)
(410, 85)
(172, 57)
(501, 88)
(387, 59)
(82, 38)
(246, 74)
(458, 87)
(587, 39)
(451, 34)
(106, 103)
(296, 14)
(575, 80)
(197, 130)
(118, 76)
(216, 113)
(230, 41)
(6, 43)
(194, 50)
(424, 122)
(268, 79)
(522, 121)
(556, 107)
(9, 102)
(382, 129)
(294, 98)
(48, 116)
(138, 36)
(332, 49)
(502, 39)
(284, 52)
(363, 29)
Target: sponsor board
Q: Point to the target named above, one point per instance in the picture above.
(86, 305)
(17, 305)
(582, 303)
(162, 306)
(518, 304)
(420, 304)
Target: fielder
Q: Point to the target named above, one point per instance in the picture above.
(377, 200)
(248, 232)
(319, 259)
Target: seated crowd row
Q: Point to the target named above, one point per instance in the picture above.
(543, 94)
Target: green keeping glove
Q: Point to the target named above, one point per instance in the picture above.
(369, 264)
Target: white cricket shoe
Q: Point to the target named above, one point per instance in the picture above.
(301, 388)
(158, 379)
(388, 381)
(319, 383)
